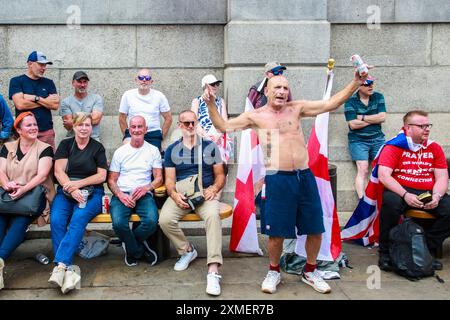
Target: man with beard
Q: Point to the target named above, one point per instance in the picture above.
(82, 101)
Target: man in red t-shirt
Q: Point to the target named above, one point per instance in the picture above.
(406, 174)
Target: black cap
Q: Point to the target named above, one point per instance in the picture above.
(80, 75)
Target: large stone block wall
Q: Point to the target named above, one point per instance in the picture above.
(181, 41)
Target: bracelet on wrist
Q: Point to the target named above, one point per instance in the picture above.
(440, 196)
(403, 197)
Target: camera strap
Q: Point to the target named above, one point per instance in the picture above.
(200, 164)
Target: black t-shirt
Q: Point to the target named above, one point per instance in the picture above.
(82, 163)
(47, 152)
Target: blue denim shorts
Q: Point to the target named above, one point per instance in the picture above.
(365, 149)
(291, 202)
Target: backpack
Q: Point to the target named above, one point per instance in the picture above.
(408, 251)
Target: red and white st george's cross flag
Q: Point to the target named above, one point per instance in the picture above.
(244, 234)
(318, 163)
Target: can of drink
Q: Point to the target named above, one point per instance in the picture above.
(105, 204)
(42, 258)
(359, 64)
(85, 195)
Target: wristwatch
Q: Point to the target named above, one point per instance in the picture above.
(36, 98)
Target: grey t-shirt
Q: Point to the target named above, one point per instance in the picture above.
(92, 102)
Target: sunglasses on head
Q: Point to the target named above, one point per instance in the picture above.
(368, 83)
(146, 78)
(188, 123)
(277, 71)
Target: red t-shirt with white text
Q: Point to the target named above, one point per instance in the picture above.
(414, 169)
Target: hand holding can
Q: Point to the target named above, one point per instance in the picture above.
(359, 64)
(85, 195)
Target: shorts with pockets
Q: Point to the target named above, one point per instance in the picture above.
(291, 201)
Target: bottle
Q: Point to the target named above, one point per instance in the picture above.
(105, 204)
(41, 258)
(359, 64)
(85, 195)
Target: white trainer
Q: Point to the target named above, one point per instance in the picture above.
(185, 259)
(2, 265)
(71, 280)
(213, 283)
(272, 279)
(315, 280)
(57, 277)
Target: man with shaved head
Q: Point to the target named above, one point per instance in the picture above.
(149, 103)
(135, 171)
(291, 204)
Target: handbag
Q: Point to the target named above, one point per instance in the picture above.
(192, 186)
(89, 189)
(31, 204)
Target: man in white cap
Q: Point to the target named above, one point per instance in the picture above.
(82, 101)
(33, 92)
(256, 93)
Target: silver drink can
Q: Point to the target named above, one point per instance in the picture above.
(85, 195)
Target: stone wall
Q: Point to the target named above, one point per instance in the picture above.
(183, 40)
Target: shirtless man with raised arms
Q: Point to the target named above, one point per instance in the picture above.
(291, 196)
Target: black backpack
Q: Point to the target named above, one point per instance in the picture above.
(408, 251)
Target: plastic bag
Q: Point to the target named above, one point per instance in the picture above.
(93, 244)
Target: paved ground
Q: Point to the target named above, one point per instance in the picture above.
(107, 278)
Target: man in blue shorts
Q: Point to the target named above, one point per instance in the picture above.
(291, 200)
(365, 111)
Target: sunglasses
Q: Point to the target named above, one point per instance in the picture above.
(215, 84)
(188, 123)
(368, 84)
(146, 78)
(277, 71)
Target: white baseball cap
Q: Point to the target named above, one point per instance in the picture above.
(209, 79)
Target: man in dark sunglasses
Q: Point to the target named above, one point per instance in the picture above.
(365, 111)
(149, 103)
(256, 93)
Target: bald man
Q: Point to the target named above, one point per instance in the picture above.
(149, 103)
(291, 195)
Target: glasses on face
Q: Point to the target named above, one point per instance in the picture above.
(422, 126)
(215, 84)
(188, 123)
(146, 78)
(368, 84)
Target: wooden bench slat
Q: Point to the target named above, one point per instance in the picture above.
(419, 214)
(225, 211)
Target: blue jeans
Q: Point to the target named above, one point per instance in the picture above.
(68, 223)
(120, 214)
(12, 233)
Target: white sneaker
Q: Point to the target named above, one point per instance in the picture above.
(185, 259)
(315, 280)
(57, 276)
(213, 283)
(71, 280)
(2, 265)
(271, 281)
